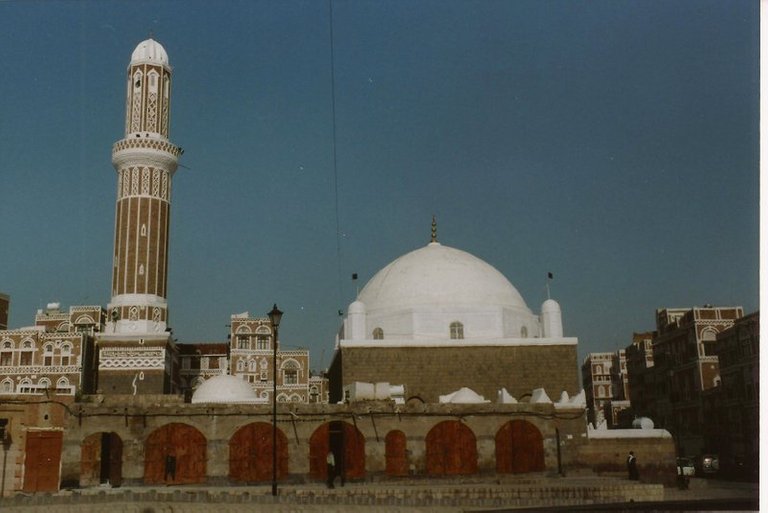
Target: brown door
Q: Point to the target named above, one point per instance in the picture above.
(347, 444)
(250, 453)
(42, 464)
(113, 471)
(90, 460)
(101, 460)
(519, 448)
(175, 454)
(396, 454)
(451, 449)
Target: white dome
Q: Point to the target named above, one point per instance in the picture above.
(439, 275)
(426, 293)
(150, 51)
(225, 389)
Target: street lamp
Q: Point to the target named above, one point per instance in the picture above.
(274, 317)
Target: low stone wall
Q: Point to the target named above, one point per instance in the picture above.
(606, 453)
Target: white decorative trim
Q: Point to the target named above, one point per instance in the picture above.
(130, 358)
(507, 342)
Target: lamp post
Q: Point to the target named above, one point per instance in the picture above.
(274, 317)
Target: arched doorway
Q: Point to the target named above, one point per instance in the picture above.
(451, 449)
(348, 446)
(396, 453)
(519, 448)
(101, 460)
(250, 453)
(175, 454)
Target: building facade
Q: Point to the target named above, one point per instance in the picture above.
(735, 418)
(55, 356)
(599, 374)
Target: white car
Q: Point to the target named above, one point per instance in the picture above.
(685, 467)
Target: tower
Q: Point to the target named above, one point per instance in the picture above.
(136, 351)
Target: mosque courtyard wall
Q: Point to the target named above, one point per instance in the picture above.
(380, 439)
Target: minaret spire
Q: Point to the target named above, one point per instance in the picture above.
(434, 229)
(137, 341)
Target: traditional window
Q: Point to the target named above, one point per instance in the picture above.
(6, 387)
(242, 341)
(290, 377)
(6, 358)
(457, 330)
(378, 334)
(66, 354)
(26, 354)
(262, 341)
(524, 332)
(251, 365)
(240, 365)
(48, 355)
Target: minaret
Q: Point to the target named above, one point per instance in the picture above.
(136, 349)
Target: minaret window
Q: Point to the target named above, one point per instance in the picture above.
(523, 332)
(457, 330)
(378, 334)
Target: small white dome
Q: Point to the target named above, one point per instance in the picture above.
(150, 51)
(642, 423)
(225, 389)
(357, 307)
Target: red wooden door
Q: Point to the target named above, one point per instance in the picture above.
(348, 445)
(451, 449)
(42, 463)
(175, 454)
(250, 453)
(519, 448)
(396, 454)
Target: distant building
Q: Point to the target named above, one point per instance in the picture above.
(596, 381)
(685, 366)
(55, 356)
(602, 381)
(251, 357)
(5, 303)
(200, 362)
(737, 414)
(640, 379)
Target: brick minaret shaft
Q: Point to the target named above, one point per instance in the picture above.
(145, 161)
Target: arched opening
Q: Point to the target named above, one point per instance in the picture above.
(250, 453)
(519, 448)
(348, 447)
(396, 453)
(101, 460)
(451, 449)
(175, 454)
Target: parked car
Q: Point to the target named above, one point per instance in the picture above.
(685, 467)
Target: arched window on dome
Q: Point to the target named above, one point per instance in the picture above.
(457, 330)
(378, 334)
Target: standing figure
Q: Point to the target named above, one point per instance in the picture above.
(330, 463)
(632, 466)
(170, 467)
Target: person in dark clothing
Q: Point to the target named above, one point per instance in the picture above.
(170, 467)
(330, 465)
(632, 466)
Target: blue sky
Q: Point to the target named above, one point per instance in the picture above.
(612, 143)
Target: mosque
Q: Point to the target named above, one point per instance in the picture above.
(440, 367)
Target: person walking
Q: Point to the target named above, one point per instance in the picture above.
(632, 466)
(330, 465)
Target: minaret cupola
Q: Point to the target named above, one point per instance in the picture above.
(148, 92)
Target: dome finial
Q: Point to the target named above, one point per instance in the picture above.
(434, 229)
